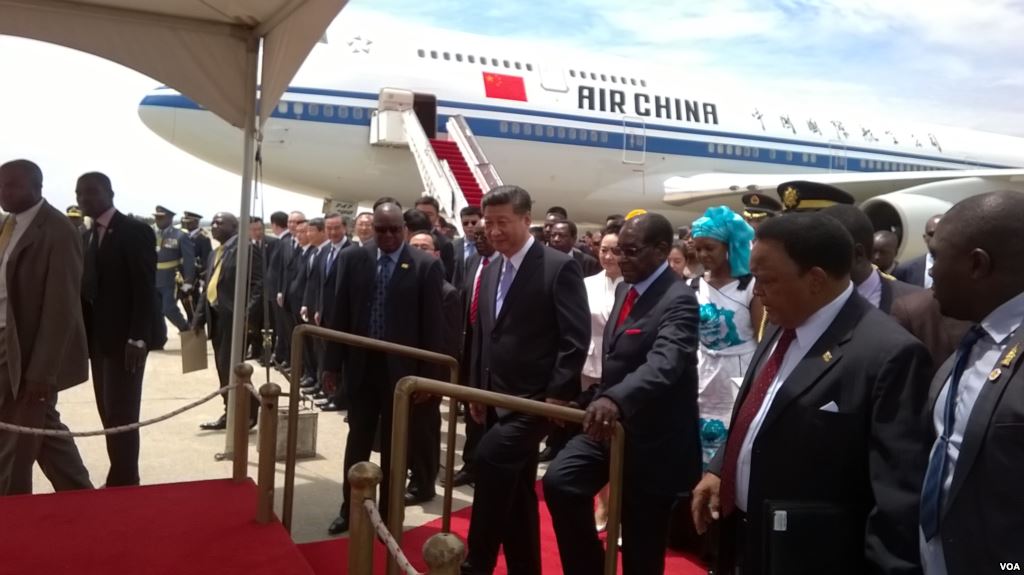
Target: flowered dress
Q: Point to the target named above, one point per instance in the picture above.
(727, 344)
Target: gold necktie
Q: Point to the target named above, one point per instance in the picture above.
(211, 289)
(6, 233)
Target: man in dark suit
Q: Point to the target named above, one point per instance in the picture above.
(312, 239)
(392, 293)
(484, 256)
(563, 238)
(281, 269)
(916, 271)
(828, 432)
(972, 506)
(879, 289)
(534, 331)
(465, 247)
(649, 382)
(218, 305)
(265, 245)
(118, 285)
(429, 206)
(190, 222)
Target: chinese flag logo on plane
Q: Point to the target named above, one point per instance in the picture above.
(504, 87)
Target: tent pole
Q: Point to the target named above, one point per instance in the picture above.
(239, 319)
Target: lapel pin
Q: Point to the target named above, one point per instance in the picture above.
(995, 374)
(405, 266)
(1010, 356)
(827, 356)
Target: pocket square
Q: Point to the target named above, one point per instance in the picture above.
(632, 332)
(831, 407)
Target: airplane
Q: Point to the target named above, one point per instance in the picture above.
(596, 135)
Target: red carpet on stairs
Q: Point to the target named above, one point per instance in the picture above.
(331, 557)
(449, 150)
(173, 529)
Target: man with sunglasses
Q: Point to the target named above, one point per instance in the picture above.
(391, 292)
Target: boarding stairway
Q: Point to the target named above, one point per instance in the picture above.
(452, 167)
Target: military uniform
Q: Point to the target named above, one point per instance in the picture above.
(803, 196)
(759, 207)
(204, 247)
(175, 251)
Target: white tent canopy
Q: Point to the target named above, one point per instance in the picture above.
(206, 49)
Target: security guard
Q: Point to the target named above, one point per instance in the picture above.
(77, 218)
(803, 196)
(190, 222)
(175, 251)
(759, 207)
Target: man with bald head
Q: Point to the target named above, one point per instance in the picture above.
(218, 304)
(917, 270)
(883, 255)
(390, 292)
(43, 347)
(972, 506)
(121, 317)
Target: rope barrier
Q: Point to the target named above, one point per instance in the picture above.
(123, 428)
(385, 537)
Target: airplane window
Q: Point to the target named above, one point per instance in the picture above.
(458, 57)
(623, 80)
(814, 158)
(528, 129)
(483, 61)
(314, 109)
(561, 133)
(572, 133)
(720, 148)
(529, 67)
(643, 83)
(505, 62)
(494, 61)
(550, 131)
(757, 152)
(357, 113)
(583, 75)
(711, 148)
(604, 137)
(728, 150)
(614, 80)
(282, 107)
(515, 128)
(433, 54)
(789, 156)
(328, 111)
(519, 66)
(297, 108)
(342, 112)
(593, 135)
(771, 154)
(422, 53)
(632, 81)
(572, 73)
(604, 78)
(746, 152)
(503, 127)
(804, 158)
(472, 59)
(593, 76)
(447, 56)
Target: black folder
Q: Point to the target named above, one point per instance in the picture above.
(811, 538)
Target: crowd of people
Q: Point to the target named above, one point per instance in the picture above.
(797, 397)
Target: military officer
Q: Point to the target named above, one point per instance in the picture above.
(759, 207)
(175, 251)
(804, 196)
(190, 222)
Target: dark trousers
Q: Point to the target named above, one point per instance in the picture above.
(283, 326)
(310, 357)
(570, 485)
(424, 446)
(474, 431)
(560, 436)
(505, 498)
(370, 405)
(118, 399)
(220, 336)
(169, 306)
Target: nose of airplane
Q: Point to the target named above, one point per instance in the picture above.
(158, 110)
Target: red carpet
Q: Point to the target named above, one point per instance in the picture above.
(331, 557)
(196, 527)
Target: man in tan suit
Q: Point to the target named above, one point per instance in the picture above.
(42, 336)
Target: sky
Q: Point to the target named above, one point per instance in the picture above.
(955, 62)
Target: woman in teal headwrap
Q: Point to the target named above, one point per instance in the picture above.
(729, 317)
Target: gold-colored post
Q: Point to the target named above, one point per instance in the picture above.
(270, 394)
(364, 477)
(449, 456)
(615, 464)
(240, 423)
(444, 553)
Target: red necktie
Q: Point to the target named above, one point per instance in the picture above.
(627, 306)
(476, 292)
(745, 417)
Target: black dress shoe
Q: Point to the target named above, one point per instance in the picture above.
(417, 497)
(219, 424)
(339, 526)
(252, 422)
(462, 477)
(309, 390)
(331, 406)
(307, 382)
(547, 455)
(319, 396)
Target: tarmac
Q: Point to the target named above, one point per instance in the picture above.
(176, 450)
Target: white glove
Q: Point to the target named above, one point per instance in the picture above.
(280, 300)
(304, 314)
(186, 288)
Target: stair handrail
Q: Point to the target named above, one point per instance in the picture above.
(459, 200)
(436, 183)
(484, 172)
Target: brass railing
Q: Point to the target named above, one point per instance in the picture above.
(298, 344)
(403, 394)
(270, 394)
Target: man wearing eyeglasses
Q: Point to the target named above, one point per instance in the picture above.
(390, 292)
(532, 335)
(649, 383)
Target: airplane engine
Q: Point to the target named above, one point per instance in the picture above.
(906, 211)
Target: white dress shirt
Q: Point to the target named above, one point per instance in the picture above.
(1000, 327)
(24, 220)
(928, 261)
(516, 261)
(806, 336)
(871, 288)
(601, 299)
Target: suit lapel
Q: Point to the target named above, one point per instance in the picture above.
(885, 303)
(823, 355)
(402, 272)
(641, 307)
(31, 234)
(531, 263)
(981, 414)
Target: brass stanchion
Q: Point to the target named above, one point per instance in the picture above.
(364, 478)
(240, 429)
(270, 394)
(444, 553)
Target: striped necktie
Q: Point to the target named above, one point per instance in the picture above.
(211, 288)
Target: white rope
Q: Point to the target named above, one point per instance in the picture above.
(124, 428)
(385, 537)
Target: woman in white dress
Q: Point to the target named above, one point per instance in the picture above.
(729, 317)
